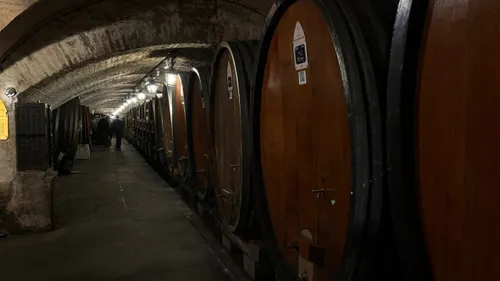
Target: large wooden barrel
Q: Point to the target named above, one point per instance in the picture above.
(158, 129)
(67, 126)
(149, 128)
(443, 139)
(179, 129)
(197, 131)
(85, 132)
(168, 133)
(318, 138)
(230, 86)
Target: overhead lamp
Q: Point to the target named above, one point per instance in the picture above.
(141, 96)
(10, 92)
(152, 88)
(159, 95)
(171, 79)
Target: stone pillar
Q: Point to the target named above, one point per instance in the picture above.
(25, 197)
(8, 147)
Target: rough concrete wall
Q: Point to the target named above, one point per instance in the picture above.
(26, 203)
(9, 9)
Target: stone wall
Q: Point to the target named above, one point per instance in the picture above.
(26, 203)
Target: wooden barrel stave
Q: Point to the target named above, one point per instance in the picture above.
(323, 149)
(230, 134)
(179, 129)
(197, 130)
(67, 129)
(168, 130)
(442, 141)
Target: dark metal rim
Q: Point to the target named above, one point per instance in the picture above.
(361, 153)
(370, 38)
(244, 89)
(400, 136)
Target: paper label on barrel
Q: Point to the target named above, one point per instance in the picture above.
(302, 77)
(202, 102)
(229, 80)
(300, 48)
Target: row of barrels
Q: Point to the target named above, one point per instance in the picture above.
(351, 128)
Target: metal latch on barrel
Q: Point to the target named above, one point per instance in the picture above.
(229, 196)
(320, 191)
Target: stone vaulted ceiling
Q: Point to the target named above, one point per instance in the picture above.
(54, 50)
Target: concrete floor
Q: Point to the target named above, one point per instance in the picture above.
(117, 220)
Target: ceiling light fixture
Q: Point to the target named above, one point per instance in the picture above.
(141, 96)
(171, 79)
(152, 88)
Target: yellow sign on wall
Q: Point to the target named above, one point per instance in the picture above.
(4, 122)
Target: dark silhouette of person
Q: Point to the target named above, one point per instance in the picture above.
(103, 128)
(118, 127)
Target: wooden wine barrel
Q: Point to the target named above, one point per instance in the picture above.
(77, 124)
(318, 138)
(85, 132)
(442, 139)
(168, 133)
(179, 129)
(142, 126)
(57, 141)
(158, 130)
(197, 131)
(149, 127)
(67, 130)
(135, 124)
(230, 87)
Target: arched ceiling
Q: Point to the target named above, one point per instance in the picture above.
(100, 49)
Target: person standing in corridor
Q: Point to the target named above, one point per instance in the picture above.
(118, 126)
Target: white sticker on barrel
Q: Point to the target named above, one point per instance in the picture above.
(229, 80)
(302, 77)
(300, 48)
(202, 102)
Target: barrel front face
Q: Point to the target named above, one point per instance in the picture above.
(457, 139)
(305, 140)
(180, 141)
(167, 128)
(199, 131)
(227, 138)
(158, 123)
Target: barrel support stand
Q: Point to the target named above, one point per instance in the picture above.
(250, 255)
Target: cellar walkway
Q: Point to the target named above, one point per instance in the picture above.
(117, 221)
